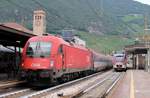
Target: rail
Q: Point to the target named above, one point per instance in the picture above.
(44, 92)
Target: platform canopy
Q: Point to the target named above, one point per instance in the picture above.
(12, 34)
(139, 48)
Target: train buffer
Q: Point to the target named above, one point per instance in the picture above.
(135, 84)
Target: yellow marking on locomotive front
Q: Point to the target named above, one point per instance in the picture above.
(132, 89)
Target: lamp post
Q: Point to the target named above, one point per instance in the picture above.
(146, 40)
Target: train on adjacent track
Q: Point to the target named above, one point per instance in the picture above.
(7, 60)
(49, 58)
(120, 61)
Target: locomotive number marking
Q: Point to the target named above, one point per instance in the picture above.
(36, 65)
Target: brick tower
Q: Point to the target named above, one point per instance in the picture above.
(39, 22)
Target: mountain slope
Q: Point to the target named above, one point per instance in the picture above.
(105, 43)
(99, 16)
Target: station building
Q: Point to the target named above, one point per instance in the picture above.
(139, 53)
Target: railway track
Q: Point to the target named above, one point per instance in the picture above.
(18, 91)
(8, 87)
(7, 84)
(7, 81)
(80, 88)
(101, 89)
(112, 86)
(12, 90)
(70, 89)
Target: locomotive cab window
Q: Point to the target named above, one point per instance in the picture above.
(39, 49)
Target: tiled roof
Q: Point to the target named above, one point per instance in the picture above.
(17, 26)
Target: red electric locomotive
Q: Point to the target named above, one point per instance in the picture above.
(49, 58)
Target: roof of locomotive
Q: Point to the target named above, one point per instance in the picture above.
(58, 39)
(119, 54)
(51, 38)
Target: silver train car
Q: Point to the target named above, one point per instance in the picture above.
(120, 62)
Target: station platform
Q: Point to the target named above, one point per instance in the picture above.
(135, 84)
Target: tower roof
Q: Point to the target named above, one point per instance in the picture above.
(39, 12)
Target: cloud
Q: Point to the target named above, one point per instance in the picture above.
(144, 1)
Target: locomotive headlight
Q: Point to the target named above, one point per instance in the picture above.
(51, 63)
(22, 64)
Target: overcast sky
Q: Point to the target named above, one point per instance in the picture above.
(144, 1)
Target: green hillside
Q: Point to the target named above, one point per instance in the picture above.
(99, 17)
(106, 16)
(105, 44)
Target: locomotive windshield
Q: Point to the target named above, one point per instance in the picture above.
(38, 49)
